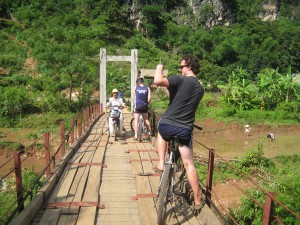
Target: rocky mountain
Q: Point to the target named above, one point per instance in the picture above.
(207, 13)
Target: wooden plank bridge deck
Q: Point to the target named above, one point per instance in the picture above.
(109, 182)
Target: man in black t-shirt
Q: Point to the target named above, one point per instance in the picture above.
(185, 94)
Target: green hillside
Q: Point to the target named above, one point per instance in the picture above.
(50, 49)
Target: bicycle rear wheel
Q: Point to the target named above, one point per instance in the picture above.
(163, 199)
(140, 128)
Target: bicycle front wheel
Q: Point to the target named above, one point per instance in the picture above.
(115, 130)
(163, 199)
(132, 124)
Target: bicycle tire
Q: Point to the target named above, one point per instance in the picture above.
(132, 124)
(163, 195)
(140, 129)
(115, 130)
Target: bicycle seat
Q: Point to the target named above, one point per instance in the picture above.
(170, 138)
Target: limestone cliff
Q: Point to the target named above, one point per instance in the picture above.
(206, 13)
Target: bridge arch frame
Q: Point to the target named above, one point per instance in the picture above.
(104, 58)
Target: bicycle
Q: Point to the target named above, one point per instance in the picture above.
(115, 115)
(142, 128)
(171, 178)
(169, 181)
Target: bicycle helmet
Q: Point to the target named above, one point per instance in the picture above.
(115, 90)
(140, 80)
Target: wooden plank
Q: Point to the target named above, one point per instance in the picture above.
(93, 183)
(50, 217)
(67, 220)
(152, 155)
(37, 218)
(76, 190)
(66, 184)
(186, 215)
(92, 186)
(67, 176)
(117, 187)
(114, 223)
(147, 210)
(119, 219)
(136, 167)
(87, 215)
(34, 223)
(147, 165)
(79, 187)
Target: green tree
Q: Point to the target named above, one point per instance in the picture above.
(240, 91)
(275, 88)
(15, 102)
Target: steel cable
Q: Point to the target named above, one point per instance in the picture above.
(252, 181)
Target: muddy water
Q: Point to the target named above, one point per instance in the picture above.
(230, 141)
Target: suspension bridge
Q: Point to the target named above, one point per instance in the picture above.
(103, 181)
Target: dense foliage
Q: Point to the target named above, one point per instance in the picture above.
(279, 175)
(8, 198)
(282, 179)
(49, 50)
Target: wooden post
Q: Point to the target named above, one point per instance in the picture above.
(62, 134)
(18, 173)
(47, 154)
(93, 111)
(79, 128)
(83, 120)
(91, 115)
(210, 175)
(72, 131)
(102, 86)
(268, 209)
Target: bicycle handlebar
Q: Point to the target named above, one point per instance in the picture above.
(198, 127)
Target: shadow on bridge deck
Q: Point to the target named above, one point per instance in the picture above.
(107, 182)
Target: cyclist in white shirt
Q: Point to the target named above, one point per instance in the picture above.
(115, 101)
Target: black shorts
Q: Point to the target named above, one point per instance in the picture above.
(141, 109)
(184, 135)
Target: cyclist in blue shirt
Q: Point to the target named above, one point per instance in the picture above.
(142, 97)
(120, 95)
(185, 92)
